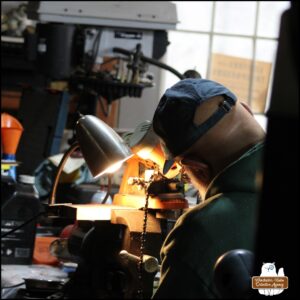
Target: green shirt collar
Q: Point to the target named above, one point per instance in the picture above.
(239, 176)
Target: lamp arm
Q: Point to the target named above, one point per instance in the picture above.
(59, 170)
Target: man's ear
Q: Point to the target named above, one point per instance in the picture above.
(247, 107)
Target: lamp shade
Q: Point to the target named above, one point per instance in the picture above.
(100, 145)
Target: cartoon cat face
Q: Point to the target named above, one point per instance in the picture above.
(268, 268)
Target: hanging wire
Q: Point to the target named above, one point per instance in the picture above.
(109, 176)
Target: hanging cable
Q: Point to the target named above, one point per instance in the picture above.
(108, 189)
(22, 225)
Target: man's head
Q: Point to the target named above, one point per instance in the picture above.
(203, 126)
(173, 118)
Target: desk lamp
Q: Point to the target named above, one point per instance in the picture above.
(128, 226)
(104, 151)
(102, 148)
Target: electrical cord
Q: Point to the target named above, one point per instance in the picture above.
(7, 202)
(107, 111)
(12, 286)
(108, 189)
(22, 225)
(95, 50)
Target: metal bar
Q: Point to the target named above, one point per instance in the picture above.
(226, 34)
(252, 70)
(211, 35)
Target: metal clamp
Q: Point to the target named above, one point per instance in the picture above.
(226, 106)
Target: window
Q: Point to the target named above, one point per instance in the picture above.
(232, 42)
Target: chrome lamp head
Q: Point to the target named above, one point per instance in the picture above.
(102, 148)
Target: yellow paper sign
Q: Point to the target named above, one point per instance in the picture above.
(234, 73)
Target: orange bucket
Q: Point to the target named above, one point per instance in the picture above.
(11, 131)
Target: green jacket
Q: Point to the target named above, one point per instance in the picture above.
(226, 220)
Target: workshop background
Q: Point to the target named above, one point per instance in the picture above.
(231, 42)
(123, 66)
